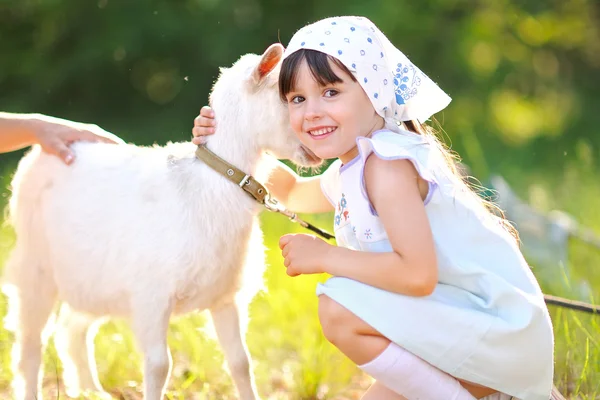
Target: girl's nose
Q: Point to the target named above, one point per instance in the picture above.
(312, 111)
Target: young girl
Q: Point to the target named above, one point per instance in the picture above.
(430, 295)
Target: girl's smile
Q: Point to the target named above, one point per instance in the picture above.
(320, 133)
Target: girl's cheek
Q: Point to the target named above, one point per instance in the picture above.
(295, 121)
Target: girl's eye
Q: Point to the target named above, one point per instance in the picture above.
(330, 92)
(296, 99)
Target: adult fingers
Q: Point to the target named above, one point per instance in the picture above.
(60, 149)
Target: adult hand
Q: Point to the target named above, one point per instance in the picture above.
(55, 138)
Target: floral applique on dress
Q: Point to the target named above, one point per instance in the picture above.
(341, 211)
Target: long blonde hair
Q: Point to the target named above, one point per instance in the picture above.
(460, 178)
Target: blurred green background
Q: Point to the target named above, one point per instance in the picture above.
(525, 81)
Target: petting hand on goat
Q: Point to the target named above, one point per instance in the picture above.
(204, 125)
(54, 135)
(303, 254)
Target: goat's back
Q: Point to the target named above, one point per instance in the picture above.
(124, 220)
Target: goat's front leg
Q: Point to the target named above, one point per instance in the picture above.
(150, 322)
(227, 325)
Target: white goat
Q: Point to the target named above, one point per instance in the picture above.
(143, 233)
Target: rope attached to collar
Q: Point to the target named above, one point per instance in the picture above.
(254, 188)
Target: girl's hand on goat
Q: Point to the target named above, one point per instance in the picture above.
(204, 125)
(303, 254)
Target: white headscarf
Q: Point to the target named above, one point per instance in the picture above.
(397, 89)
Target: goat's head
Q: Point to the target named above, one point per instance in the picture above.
(249, 92)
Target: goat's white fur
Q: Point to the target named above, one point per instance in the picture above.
(144, 233)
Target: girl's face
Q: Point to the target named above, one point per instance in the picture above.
(328, 119)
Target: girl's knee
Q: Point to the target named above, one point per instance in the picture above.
(336, 320)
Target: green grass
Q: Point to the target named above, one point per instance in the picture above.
(291, 358)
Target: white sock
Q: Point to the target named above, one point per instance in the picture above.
(412, 377)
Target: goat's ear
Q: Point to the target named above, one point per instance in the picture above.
(268, 62)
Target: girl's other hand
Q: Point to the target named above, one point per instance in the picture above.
(303, 254)
(204, 125)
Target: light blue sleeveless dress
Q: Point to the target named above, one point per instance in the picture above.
(486, 322)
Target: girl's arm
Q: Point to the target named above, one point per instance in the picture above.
(53, 134)
(410, 269)
(298, 194)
